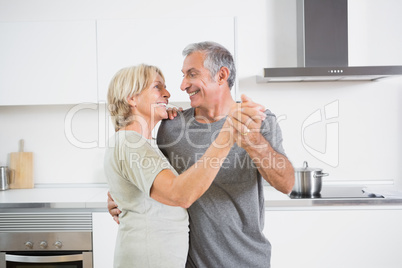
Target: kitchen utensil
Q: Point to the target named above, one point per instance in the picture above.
(308, 181)
(5, 178)
(22, 165)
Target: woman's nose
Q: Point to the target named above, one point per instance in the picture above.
(166, 93)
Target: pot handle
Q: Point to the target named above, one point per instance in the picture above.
(321, 175)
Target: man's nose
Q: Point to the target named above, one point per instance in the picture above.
(184, 84)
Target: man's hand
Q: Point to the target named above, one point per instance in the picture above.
(112, 207)
(172, 112)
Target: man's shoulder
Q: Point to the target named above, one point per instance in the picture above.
(181, 117)
(173, 127)
(270, 118)
(187, 113)
(269, 113)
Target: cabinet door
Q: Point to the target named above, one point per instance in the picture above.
(159, 42)
(48, 62)
(104, 238)
(335, 238)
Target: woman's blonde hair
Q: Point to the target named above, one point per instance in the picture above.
(126, 83)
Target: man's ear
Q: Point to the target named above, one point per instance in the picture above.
(223, 75)
(132, 101)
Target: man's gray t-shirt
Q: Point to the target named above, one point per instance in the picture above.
(227, 221)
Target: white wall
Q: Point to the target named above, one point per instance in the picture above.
(368, 114)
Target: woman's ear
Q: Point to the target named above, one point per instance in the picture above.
(132, 101)
(223, 75)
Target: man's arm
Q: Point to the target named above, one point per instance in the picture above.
(112, 207)
(274, 167)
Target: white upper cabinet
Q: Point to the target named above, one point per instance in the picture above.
(159, 42)
(48, 62)
(71, 62)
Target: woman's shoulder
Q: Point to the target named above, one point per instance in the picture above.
(131, 140)
(129, 136)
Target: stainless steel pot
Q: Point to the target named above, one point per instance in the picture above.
(308, 181)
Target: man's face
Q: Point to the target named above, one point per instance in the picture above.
(197, 81)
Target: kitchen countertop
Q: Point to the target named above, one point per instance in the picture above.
(275, 200)
(94, 197)
(56, 196)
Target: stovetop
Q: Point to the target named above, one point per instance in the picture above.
(339, 192)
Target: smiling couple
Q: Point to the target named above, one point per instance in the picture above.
(173, 215)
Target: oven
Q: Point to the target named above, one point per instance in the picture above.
(46, 240)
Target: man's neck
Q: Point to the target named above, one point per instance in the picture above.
(213, 112)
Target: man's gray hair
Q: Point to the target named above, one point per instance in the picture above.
(216, 57)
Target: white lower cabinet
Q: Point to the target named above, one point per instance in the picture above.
(347, 238)
(335, 238)
(104, 239)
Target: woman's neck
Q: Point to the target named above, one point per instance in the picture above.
(141, 126)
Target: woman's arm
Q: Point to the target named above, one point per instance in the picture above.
(186, 188)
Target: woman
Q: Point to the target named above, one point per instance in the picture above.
(153, 198)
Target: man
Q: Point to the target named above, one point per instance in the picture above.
(226, 223)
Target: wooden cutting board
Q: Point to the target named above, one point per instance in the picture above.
(21, 164)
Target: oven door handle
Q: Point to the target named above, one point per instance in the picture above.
(44, 259)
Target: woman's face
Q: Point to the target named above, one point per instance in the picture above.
(151, 102)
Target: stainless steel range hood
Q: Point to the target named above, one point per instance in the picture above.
(322, 41)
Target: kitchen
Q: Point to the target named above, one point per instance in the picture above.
(367, 112)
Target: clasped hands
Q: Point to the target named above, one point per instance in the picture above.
(246, 118)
